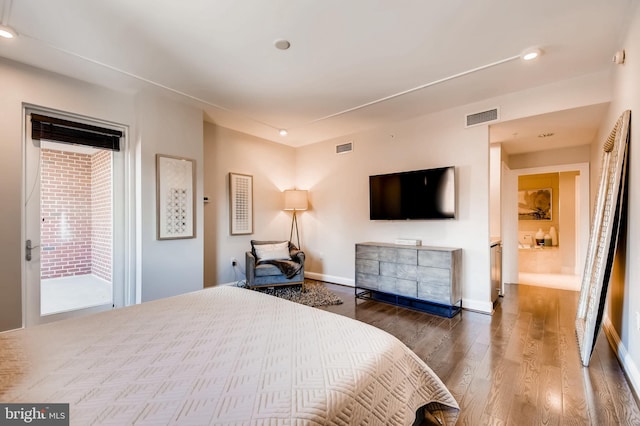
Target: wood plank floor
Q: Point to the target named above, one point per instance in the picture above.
(518, 367)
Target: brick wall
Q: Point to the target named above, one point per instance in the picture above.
(101, 206)
(66, 214)
(76, 214)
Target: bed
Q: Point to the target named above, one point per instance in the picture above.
(221, 356)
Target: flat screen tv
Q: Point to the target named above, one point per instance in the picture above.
(419, 194)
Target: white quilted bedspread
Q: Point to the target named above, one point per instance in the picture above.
(222, 356)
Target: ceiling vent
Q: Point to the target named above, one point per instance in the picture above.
(482, 117)
(344, 148)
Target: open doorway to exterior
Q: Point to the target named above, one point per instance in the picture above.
(74, 220)
(76, 231)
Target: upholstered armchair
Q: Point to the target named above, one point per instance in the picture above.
(274, 263)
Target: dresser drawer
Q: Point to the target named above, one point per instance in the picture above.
(368, 266)
(398, 286)
(398, 255)
(434, 275)
(434, 284)
(367, 281)
(367, 252)
(435, 259)
(435, 292)
(406, 288)
(398, 270)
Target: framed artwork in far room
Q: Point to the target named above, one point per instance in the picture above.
(535, 204)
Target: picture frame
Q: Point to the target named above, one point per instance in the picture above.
(175, 197)
(535, 204)
(240, 204)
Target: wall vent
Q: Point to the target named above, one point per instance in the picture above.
(481, 117)
(344, 148)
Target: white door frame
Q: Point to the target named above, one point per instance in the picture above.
(124, 292)
(510, 215)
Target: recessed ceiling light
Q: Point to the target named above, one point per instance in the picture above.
(531, 54)
(283, 132)
(546, 135)
(282, 44)
(7, 32)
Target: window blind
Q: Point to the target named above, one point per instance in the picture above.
(56, 129)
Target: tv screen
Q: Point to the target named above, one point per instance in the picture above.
(419, 194)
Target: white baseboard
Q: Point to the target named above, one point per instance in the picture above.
(628, 365)
(477, 306)
(329, 278)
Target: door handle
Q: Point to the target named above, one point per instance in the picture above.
(28, 247)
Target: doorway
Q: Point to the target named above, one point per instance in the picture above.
(558, 141)
(73, 221)
(551, 266)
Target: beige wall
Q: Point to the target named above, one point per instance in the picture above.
(624, 291)
(567, 207)
(571, 155)
(339, 190)
(273, 168)
(169, 267)
(495, 189)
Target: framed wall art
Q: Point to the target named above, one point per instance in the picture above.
(175, 197)
(240, 204)
(535, 204)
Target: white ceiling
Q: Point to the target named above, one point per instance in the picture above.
(344, 53)
(561, 129)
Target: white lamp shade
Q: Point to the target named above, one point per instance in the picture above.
(295, 199)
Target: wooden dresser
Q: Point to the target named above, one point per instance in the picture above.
(420, 277)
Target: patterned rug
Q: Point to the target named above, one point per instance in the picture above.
(315, 294)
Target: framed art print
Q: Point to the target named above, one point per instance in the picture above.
(240, 204)
(535, 204)
(175, 197)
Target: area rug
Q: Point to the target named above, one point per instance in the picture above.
(314, 294)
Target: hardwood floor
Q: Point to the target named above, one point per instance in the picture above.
(518, 367)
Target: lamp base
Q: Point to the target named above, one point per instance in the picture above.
(294, 222)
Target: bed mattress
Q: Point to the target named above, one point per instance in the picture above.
(220, 356)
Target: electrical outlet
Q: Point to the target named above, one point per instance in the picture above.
(234, 262)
